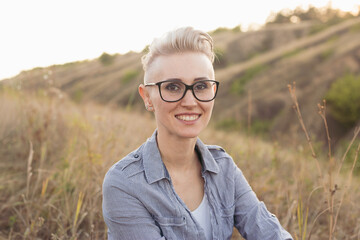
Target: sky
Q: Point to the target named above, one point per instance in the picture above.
(40, 33)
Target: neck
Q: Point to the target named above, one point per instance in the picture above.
(177, 153)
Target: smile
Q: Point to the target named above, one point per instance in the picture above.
(187, 117)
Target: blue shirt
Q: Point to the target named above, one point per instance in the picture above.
(139, 200)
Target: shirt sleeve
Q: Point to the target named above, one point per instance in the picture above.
(251, 217)
(125, 216)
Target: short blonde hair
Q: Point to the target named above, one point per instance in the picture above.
(180, 40)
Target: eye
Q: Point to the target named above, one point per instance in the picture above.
(201, 86)
(172, 87)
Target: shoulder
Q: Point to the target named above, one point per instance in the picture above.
(121, 172)
(224, 161)
(218, 152)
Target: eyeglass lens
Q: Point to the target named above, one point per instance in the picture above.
(174, 91)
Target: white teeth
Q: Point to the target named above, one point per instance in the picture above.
(187, 117)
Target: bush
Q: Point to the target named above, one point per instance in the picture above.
(237, 29)
(219, 30)
(344, 99)
(238, 86)
(220, 58)
(106, 59)
(258, 127)
(129, 75)
(326, 54)
(229, 124)
(146, 49)
(324, 16)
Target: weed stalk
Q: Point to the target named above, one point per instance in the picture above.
(331, 186)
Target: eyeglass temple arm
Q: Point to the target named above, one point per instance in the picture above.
(150, 84)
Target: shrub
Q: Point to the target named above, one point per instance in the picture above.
(106, 59)
(344, 99)
(236, 29)
(129, 75)
(326, 15)
(229, 124)
(219, 30)
(146, 49)
(260, 127)
(238, 86)
(326, 54)
(220, 58)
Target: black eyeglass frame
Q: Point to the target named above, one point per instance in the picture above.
(187, 87)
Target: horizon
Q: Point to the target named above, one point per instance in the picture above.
(42, 34)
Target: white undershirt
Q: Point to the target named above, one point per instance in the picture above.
(202, 216)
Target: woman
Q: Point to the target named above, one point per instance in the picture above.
(174, 186)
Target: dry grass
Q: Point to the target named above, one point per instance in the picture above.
(328, 179)
(54, 154)
(53, 160)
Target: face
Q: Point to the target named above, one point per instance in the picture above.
(187, 117)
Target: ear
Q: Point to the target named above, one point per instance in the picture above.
(144, 93)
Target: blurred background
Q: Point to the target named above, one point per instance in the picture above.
(288, 107)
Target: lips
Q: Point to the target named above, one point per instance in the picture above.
(187, 117)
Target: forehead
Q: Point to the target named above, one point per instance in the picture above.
(185, 66)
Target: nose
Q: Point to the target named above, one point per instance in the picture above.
(189, 99)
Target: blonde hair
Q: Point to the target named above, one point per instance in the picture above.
(180, 40)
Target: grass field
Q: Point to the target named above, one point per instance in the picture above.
(54, 154)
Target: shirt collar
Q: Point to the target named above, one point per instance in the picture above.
(154, 167)
(208, 161)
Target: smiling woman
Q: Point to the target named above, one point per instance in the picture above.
(174, 186)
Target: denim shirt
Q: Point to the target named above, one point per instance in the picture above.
(139, 200)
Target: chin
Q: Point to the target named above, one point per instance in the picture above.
(189, 133)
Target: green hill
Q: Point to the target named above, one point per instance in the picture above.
(254, 69)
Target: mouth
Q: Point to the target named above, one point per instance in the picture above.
(188, 117)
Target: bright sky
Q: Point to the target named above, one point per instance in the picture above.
(39, 33)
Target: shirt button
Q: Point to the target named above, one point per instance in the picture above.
(136, 156)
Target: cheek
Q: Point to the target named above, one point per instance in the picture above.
(208, 107)
(162, 109)
(155, 99)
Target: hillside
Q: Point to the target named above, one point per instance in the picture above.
(54, 155)
(254, 69)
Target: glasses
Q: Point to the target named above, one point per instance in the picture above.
(175, 90)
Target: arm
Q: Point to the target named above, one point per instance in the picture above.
(251, 217)
(125, 216)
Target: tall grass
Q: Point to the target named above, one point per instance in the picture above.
(328, 178)
(54, 155)
(53, 159)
